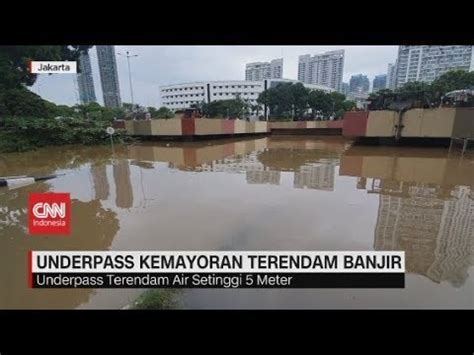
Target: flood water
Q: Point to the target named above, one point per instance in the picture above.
(273, 193)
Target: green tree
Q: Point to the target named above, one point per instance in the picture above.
(299, 97)
(234, 108)
(320, 103)
(163, 112)
(22, 102)
(454, 80)
(14, 61)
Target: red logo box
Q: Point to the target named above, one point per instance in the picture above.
(49, 213)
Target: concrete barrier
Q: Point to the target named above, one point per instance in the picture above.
(334, 124)
(416, 123)
(205, 127)
(142, 128)
(129, 127)
(381, 124)
(168, 127)
(464, 123)
(261, 127)
(239, 127)
(249, 127)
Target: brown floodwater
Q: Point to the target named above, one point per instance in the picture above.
(273, 193)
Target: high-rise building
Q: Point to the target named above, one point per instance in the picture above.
(323, 69)
(109, 76)
(264, 70)
(344, 89)
(380, 82)
(85, 80)
(426, 63)
(359, 84)
(392, 76)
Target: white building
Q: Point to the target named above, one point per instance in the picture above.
(392, 76)
(264, 70)
(426, 63)
(323, 69)
(181, 96)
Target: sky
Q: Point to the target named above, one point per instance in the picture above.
(163, 65)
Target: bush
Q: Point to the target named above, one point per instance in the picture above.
(20, 134)
(156, 299)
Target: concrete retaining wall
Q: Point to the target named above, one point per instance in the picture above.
(422, 123)
(142, 128)
(170, 127)
(464, 123)
(207, 127)
(239, 127)
(306, 124)
(381, 124)
(192, 127)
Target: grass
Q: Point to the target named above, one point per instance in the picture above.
(156, 299)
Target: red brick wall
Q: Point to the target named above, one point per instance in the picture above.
(354, 124)
(228, 126)
(187, 126)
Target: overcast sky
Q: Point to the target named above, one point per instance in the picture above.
(162, 65)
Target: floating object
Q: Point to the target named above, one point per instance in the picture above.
(21, 180)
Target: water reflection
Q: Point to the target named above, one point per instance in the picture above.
(422, 210)
(92, 228)
(277, 193)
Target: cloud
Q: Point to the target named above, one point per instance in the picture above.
(161, 65)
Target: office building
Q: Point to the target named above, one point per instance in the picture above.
(85, 80)
(109, 76)
(264, 70)
(344, 89)
(426, 63)
(322, 69)
(391, 76)
(181, 96)
(359, 85)
(379, 83)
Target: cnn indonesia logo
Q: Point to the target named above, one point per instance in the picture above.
(49, 213)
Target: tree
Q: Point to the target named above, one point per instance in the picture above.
(320, 103)
(163, 112)
(234, 108)
(453, 80)
(22, 102)
(299, 97)
(14, 61)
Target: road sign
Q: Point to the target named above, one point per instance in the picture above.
(110, 130)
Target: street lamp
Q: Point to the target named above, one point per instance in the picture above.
(128, 55)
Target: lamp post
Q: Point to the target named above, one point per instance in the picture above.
(128, 56)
